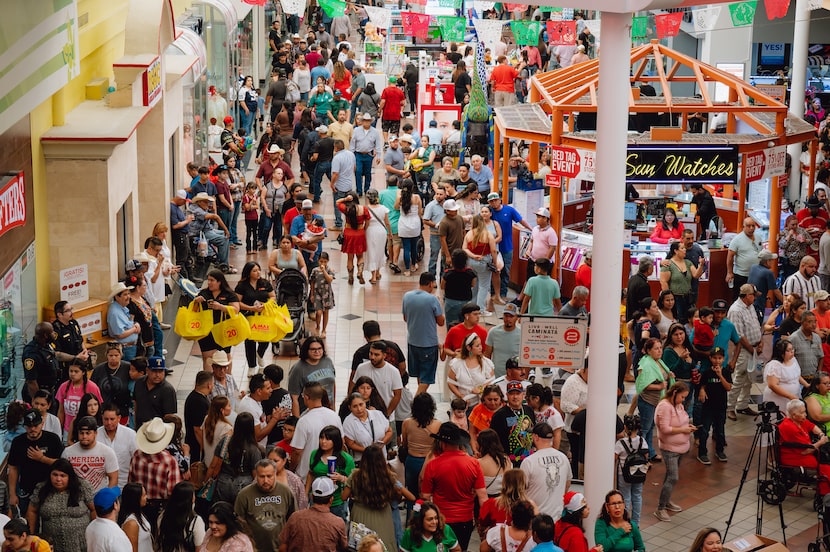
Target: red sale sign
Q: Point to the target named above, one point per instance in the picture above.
(564, 161)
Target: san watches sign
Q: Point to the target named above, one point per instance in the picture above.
(681, 164)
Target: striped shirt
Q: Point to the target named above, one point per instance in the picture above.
(804, 287)
(745, 320)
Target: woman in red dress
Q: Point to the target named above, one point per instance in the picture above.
(341, 80)
(354, 234)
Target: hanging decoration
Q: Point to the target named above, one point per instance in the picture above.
(256, 2)
(415, 24)
(705, 18)
(668, 24)
(333, 8)
(482, 6)
(381, 17)
(742, 13)
(776, 9)
(639, 27)
(454, 4)
(526, 33)
(488, 31)
(293, 7)
(561, 33)
(452, 28)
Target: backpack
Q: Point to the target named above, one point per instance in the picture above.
(635, 466)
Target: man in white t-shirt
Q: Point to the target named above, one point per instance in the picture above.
(548, 473)
(91, 460)
(387, 378)
(119, 438)
(259, 389)
(103, 533)
(307, 433)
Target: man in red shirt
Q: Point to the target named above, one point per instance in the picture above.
(391, 105)
(470, 315)
(503, 78)
(814, 220)
(453, 480)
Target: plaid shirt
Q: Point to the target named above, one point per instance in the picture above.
(159, 473)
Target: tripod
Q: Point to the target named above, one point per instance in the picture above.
(770, 489)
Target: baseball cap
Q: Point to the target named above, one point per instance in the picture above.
(493, 195)
(338, 93)
(767, 255)
(366, 117)
(227, 119)
(132, 264)
(308, 204)
(514, 386)
(88, 423)
(719, 305)
(821, 295)
(156, 363)
(32, 418)
(748, 289)
(322, 129)
(393, 137)
(543, 212)
(512, 309)
(106, 497)
(450, 205)
(323, 486)
(543, 430)
(717, 351)
(433, 123)
(181, 194)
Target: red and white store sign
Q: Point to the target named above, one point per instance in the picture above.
(13, 204)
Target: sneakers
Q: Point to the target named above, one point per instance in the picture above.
(260, 361)
(703, 459)
(721, 457)
(662, 515)
(486, 313)
(164, 326)
(672, 507)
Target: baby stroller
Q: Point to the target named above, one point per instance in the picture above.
(291, 289)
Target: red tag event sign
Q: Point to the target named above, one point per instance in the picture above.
(564, 161)
(13, 204)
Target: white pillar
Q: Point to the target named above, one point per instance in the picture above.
(801, 35)
(609, 196)
(259, 45)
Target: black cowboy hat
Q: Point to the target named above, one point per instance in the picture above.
(451, 434)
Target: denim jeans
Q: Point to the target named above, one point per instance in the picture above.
(338, 216)
(322, 168)
(412, 471)
(672, 462)
(341, 511)
(247, 120)
(633, 497)
(482, 289)
(647, 424)
(128, 353)
(714, 419)
(237, 207)
(363, 172)
(266, 224)
(505, 272)
(217, 238)
(434, 251)
(158, 336)
(409, 251)
(226, 215)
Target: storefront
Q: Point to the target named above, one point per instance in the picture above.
(662, 161)
(187, 56)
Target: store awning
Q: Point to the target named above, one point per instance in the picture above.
(191, 49)
(225, 8)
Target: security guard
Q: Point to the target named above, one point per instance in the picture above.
(40, 363)
(69, 343)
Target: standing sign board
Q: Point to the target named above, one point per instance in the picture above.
(553, 341)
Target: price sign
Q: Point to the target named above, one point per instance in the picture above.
(553, 341)
(553, 181)
(564, 161)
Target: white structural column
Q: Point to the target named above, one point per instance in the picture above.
(609, 196)
(801, 35)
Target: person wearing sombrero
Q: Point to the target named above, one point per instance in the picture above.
(453, 480)
(569, 534)
(153, 466)
(205, 223)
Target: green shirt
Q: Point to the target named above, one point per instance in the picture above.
(542, 290)
(617, 540)
(449, 541)
(321, 469)
(322, 105)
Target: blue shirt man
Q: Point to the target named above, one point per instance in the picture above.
(505, 216)
(307, 240)
(423, 314)
(481, 174)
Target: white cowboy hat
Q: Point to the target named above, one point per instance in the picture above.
(154, 436)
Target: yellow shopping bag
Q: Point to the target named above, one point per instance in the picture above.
(284, 322)
(193, 321)
(264, 324)
(232, 330)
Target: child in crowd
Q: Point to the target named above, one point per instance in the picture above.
(458, 413)
(716, 383)
(321, 293)
(692, 315)
(288, 433)
(626, 445)
(542, 528)
(704, 336)
(43, 402)
(250, 206)
(14, 423)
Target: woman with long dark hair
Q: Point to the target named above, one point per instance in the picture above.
(673, 429)
(427, 530)
(668, 312)
(369, 101)
(457, 285)
(177, 447)
(492, 459)
(409, 223)
(220, 298)
(179, 527)
(132, 521)
(569, 534)
(226, 532)
(354, 233)
(331, 444)
(279, 457)
(678, 276)
(540, 399)
(415, 436)
(90, 405)
(216, 425)
(669, 229)
(234, 460)
(470, 372)
(364, 426)
(254, 291)
(366, 388)
(614, 529)
(461, 81)
(71, 393)
(678, 359)
(61, 508)
(517, 534)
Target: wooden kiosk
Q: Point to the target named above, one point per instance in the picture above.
(756, 125)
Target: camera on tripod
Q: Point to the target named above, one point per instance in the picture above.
(767, 409)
